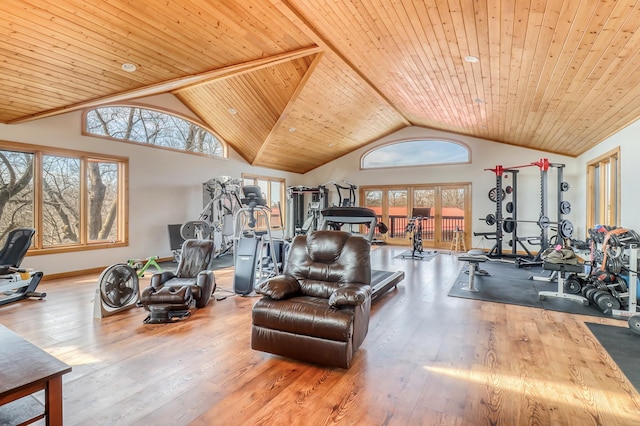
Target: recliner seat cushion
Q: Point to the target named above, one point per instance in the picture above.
(305, 315)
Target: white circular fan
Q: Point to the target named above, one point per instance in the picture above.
(118, 289)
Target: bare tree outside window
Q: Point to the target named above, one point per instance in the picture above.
(16, 191)
(66, 182)
(153, 128)
(61, 200)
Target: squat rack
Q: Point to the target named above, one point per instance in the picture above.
(565, 228)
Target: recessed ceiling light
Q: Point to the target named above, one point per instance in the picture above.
(478, 100)
(233, 111)
(472, 59)
(128, 67)
(292, 129)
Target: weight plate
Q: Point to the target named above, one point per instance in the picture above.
(564, 186)
(607, 303)
(509, 206)
(509, 189)
(565, 207)
(634, 323)
(493, 194)
(590, 293)
(565, 228)
(622, 284)
(509, 225)
(490, 219)
(586, 288)
(572, 285)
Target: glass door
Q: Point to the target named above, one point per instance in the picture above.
(397, 215)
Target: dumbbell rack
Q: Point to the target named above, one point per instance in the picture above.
(632, 287)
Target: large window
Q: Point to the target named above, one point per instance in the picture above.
(603, 191)
(74, 200)
(151, 127)
(415, 153)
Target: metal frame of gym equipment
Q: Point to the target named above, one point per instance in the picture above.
(249, 244)
(564, 226)
(221, 200)
(336, 217)
(18, 283)
(299, 223)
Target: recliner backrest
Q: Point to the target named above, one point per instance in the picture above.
(326, 260)
(197, 256)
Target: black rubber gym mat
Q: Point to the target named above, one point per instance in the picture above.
(508, 284)
(623, 345)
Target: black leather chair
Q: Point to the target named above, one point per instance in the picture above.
(171, 295)
(318, 309)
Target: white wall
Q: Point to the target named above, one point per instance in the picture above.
(484, 155)
(627, 140)
(164, 186)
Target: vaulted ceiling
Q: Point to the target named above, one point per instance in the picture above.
(294, 84)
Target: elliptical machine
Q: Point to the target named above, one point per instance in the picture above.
(251, 267)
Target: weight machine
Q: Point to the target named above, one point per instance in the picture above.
(298, 224)
(509, 225)
(251, 265)
(216, 220)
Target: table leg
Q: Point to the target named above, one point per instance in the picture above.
(53, 401)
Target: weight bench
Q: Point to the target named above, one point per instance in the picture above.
(473, 261)
(561, 269)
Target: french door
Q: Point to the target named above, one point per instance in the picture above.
(442, 210)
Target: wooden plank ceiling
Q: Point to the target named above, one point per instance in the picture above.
(294, 84)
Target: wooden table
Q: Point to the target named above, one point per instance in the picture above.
(24, 370)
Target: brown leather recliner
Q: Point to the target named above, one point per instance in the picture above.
(318, 310)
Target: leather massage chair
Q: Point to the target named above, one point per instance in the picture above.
(170, 295)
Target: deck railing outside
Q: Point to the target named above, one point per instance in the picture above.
(398, 224)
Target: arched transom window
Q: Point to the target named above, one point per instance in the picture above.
(423, 152)
(152, 127)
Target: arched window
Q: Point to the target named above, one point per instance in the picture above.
(423, 152)
(152, 127)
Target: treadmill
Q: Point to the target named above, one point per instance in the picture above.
(336, 217)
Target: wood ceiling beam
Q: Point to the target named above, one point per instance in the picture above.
(176, 84)
(288, 107)
(291, 12)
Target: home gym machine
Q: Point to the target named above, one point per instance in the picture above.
(298, 222)
(251, 265)
(336, 217)
(17, 283)
(509, 224)
(221, 201)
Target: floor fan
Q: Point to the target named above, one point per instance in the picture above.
(117, 290)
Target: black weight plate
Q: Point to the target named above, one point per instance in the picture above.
(493, 192)
(509, 189)
(586, 288)
(607, 303)
(590, 293)
(509, 207)
(572, 285)
(508, 225)
(634, 323)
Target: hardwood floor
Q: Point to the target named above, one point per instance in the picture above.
(428, 359)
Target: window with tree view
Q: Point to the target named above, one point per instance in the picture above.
(151, 127)
(72, 199)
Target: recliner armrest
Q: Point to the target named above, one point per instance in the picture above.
(279, 287)
(350, 295)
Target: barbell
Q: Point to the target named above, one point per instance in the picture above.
(565, 227)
